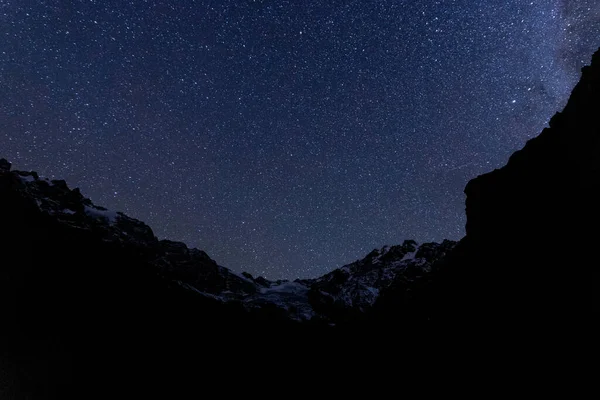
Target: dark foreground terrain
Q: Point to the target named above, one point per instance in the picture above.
(94, 305)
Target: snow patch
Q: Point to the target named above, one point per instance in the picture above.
(410, 256)
(345, 268)
(193, 289)
(27, 178)
(110, 216)
(374, 291)
(228, 271)
(286, 287)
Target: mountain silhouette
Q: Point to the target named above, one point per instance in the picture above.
(93, 303)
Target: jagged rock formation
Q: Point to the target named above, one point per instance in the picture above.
(350, 293)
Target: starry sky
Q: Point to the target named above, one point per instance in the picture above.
(284, 138)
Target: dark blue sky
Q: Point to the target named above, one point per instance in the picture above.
(285, 138)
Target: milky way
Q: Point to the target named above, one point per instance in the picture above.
(285, 138)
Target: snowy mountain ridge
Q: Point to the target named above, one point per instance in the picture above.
(353, 288)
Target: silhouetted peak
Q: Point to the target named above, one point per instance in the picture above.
(513, 267)
(4, 165)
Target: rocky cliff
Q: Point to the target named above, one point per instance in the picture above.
(528, 259)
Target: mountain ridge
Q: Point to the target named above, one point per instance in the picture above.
(514, 259)
(351, 289)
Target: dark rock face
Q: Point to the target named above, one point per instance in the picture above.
(4, 165)
(528, 257)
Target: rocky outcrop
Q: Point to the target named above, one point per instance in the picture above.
(5, 165)
(527, 260)
(350, 293)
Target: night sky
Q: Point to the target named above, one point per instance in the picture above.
(284, 138)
